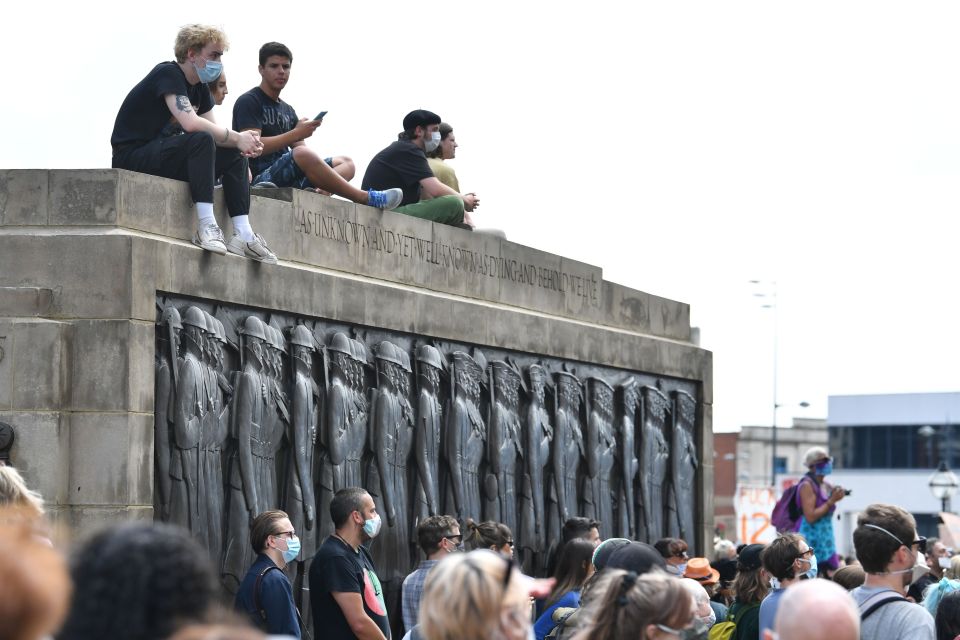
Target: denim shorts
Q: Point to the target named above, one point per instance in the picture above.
(286, 173)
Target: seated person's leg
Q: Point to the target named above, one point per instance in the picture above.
(188, 157)
(445, 210)
(322, 176)
(342, 165)
(233, 168)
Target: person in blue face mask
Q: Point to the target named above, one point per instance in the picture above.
(265, 594)
(176, 93)
(818, 499)
(346, 596)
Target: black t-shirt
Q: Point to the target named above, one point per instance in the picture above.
(257, 110)
(338, 568)
(917, 588)
(402, 164)
(144, 113)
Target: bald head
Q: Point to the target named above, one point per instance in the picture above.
(836, 616)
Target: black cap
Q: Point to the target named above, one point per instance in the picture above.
(727, 568)
(749, 559)
(636, 556)
(420, 118)
(605, 549)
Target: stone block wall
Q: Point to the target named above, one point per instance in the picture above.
(84, 255)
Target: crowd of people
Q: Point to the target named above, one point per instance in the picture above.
(154, 581)
(166, 127)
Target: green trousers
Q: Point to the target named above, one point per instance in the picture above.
(445, 210)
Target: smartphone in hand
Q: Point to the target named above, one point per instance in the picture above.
(320, 115)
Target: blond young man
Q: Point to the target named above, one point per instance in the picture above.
(177, 91)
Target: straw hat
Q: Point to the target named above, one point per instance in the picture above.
(699, 569)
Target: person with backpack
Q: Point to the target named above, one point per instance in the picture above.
(265, 594)
(818, 500)
(749, 589)
(889, 549)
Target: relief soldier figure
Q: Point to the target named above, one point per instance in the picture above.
(428, 431)
(334, 440)
(214, 434)
(391, 440)
(600, 452)
(504, 444)
(683, 456)
(359, 427)
(466, 438)
(654, 458)
(302, 436)
(568, 447)
(251, 470)
(189, 506)
(537, 436)
(166, 370)
(627, 463)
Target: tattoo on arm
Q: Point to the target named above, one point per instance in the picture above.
(183, 104)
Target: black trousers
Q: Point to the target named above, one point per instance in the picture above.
(193, 158)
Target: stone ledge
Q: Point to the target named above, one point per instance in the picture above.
(330, 233)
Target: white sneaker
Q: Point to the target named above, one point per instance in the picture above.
(210, 237)
(256, 250)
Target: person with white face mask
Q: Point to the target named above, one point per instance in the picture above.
(788, 559)
(265, 594)
(404, 165)
(889, 549)
(701, 600)
(937, 559)
(345, 593)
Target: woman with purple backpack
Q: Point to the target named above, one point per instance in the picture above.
(817, 500)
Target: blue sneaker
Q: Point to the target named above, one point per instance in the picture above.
(386, 200)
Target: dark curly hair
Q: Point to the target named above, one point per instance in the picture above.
(138, 581)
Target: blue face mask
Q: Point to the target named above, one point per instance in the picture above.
(824, 469)
(293, 550)
(812, 571)
(210, 72)
(372, 526)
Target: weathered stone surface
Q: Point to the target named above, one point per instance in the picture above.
(84, 521)
(113, 368)
(373, 271)
(23, 197)
(7, 342)
(40, 365)
(89, 275)
(111, 459)
(41, 451)
(85, 197)
(26, 301)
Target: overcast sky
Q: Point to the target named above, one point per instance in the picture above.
(684, 147)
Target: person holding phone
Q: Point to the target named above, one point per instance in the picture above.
(286, 160)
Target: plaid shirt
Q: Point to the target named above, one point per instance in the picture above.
(411, 592)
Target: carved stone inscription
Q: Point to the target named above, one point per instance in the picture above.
(445, 256)
(258, 411)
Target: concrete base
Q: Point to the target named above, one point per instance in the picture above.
(85, 254)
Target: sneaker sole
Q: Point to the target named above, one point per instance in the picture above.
(243, 254)
(218, 249)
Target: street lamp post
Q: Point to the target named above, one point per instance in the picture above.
(943, 485)
(771, 303)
